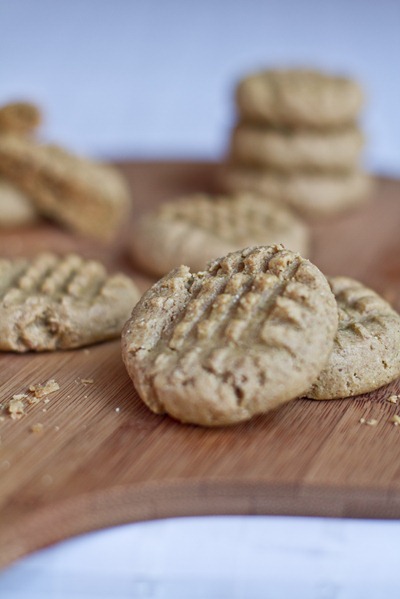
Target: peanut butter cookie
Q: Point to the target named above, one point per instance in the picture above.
(313, 195)
(366, 351)
(298, 98)
(201, 227)
(85, 196)
(19, 117)
(16, 209)
(334, 150)
(217, 347)
(53, 302)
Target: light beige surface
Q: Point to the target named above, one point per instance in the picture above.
(313, 195)
(85, 196)
(53, 302)
(290, 150)
(198, 228)
(366, 352)
(298, 97)
(218, 347)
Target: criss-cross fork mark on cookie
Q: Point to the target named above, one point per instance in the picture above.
(52, 277)
(361, 310)
(55, 302)
(219, 346)
(229, 217)
(366, 351)
(234, 302)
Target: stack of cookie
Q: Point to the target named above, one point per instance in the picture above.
(297, 141)
(82, 195)
(16, 209)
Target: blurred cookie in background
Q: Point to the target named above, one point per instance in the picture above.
(198, 228)
(312, 194)
(19, 117)
(84, 196)
(16, 208)
(336, 150)
(298, 98)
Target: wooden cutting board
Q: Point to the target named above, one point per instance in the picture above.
(104, 459)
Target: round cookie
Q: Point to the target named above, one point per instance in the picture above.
(16, 208)
(310, 194)
(298, 149)
(366, 351)
(53, 302)
(298, 98)
(201, 227)
(217, 347)
(85, 196)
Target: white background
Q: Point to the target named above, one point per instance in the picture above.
(123, 78)
(148, 79)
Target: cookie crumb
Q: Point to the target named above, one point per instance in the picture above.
(33, 400)
(37, 428)
(393, 398)
(87, 381)
(16, 408)
(369, 421)
(396, 420)
(41, 390)
(118, 410)
(20, 396)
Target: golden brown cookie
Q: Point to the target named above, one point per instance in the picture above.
(85, 196)
(366, 352)
(334, 150)
(53, 302)
(16, 209)
(217, 347)
(313, 195)
(201, 227)
(298, 98)
(19, 117)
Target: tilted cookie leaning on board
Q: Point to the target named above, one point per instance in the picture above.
(82, 195)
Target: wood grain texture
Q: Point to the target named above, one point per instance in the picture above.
(104, 459)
